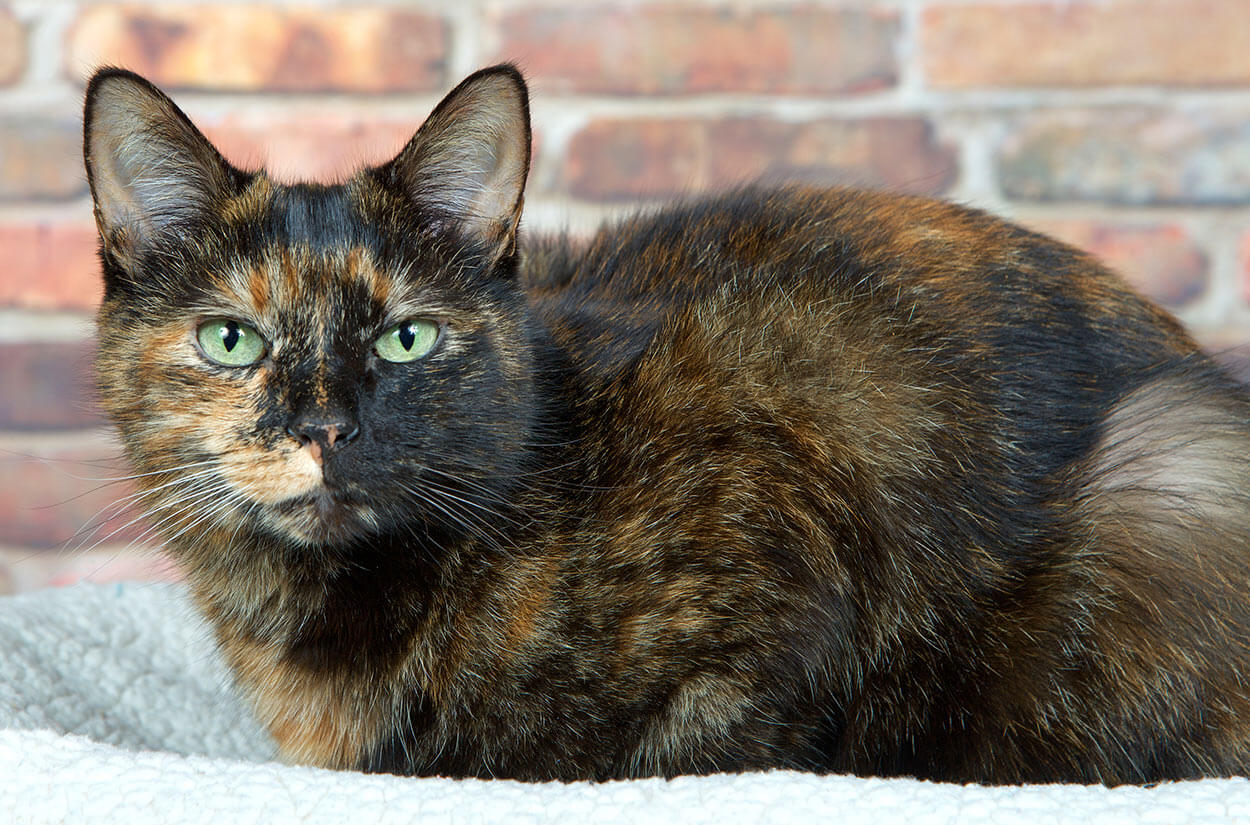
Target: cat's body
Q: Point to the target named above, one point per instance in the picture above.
(791, 478)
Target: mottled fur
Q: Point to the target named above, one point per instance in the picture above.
(818, 479)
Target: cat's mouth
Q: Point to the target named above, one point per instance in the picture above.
(323, 516)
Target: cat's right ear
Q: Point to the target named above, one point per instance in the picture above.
(151, 172)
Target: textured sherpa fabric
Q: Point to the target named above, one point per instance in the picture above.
(113, 708)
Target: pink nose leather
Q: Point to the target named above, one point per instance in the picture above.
(321, 436)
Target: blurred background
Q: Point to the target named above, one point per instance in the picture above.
(1122, 126)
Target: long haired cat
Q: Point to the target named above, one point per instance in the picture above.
(816, 479)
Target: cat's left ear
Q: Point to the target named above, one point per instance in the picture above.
(468, 162)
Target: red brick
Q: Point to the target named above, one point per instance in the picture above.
(12, 47)
(49, 266)
(258, 47)
(59, 498)
(675, 49)
(1129, 156)
(48, 385)
(612, 160)
(302, 146)
(40, 159)
(1161, 260)
(1087, 43)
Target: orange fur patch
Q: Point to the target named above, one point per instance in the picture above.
(316, 720)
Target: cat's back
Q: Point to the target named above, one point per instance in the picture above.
(918, 406)
(959, 268)
(848, 309)
(1024, 323)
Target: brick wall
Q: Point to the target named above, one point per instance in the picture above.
(1120, 125)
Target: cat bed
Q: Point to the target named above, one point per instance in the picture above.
(113, 708)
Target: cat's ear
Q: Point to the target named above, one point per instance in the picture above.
(150, 170)
(468, 162)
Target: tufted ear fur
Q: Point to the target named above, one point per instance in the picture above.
(468, 162)
(151, 171)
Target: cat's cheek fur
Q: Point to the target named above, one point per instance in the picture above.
(203, 412)
(266, 476)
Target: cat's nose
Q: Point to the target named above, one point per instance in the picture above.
(323, 433)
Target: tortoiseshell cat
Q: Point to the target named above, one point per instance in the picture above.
(816, 479)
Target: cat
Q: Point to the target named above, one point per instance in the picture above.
(819, 479)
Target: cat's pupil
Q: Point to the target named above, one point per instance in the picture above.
(407, 335)
(230, 335)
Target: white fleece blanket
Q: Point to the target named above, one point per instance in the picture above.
(114, 709)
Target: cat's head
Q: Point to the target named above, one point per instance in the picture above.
(314, 362)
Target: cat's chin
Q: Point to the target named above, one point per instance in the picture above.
(321, 518)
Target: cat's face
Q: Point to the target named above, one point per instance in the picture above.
(311, 362)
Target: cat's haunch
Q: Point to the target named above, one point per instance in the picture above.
(788, 478)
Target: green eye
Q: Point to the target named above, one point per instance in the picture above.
(407, 341)
(230, 343)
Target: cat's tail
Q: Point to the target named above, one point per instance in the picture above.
(1165, 505)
